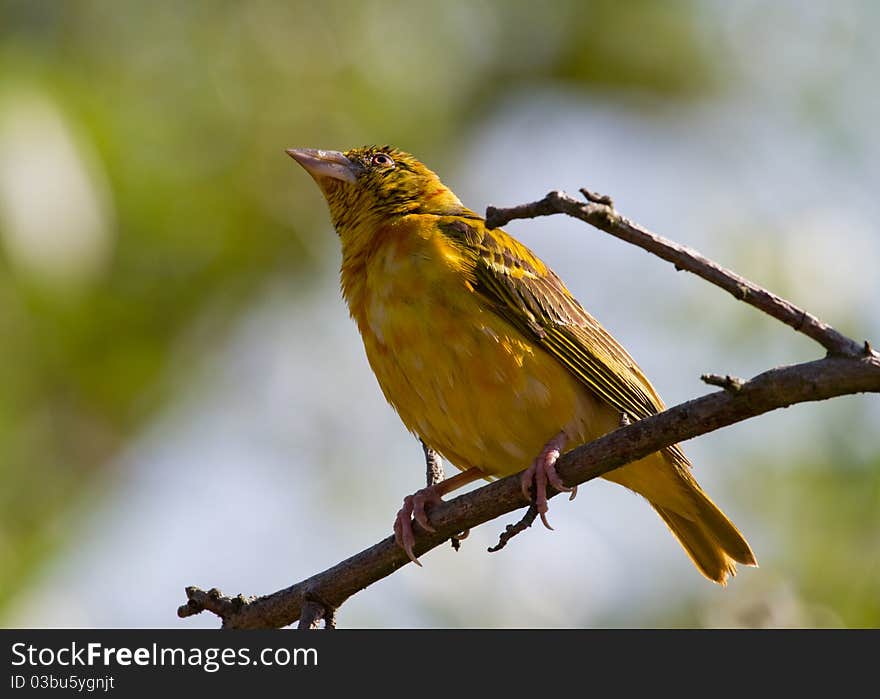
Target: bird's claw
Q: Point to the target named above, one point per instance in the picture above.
(543, 471)
(414, 508)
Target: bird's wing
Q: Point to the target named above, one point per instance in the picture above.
(521, 289)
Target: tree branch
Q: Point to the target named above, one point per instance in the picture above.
(598, 213)
(777, 388)
(850, 368)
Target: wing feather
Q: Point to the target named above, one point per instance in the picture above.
(520, 288)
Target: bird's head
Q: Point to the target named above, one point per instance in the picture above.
(369, 185)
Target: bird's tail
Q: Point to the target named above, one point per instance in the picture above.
(711, 540)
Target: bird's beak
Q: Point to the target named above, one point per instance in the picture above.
(324, 163)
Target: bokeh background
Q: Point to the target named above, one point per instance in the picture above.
(183, 399)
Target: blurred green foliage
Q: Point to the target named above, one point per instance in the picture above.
(832, 530)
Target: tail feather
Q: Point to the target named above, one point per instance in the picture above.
(711, 540)
(705, 553)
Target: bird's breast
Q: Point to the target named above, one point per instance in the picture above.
(459, 376)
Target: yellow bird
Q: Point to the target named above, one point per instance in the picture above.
(486, 355)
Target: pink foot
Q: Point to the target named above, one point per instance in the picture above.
(543, 471)
(414, 508)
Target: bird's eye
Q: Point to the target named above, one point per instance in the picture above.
(382, 160)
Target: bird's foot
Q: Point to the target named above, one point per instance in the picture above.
(543, 471)
(414, 508)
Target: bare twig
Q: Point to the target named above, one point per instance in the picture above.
(597, 198)
(777, 388)
(604, 217)
(458, 538)
(312, 613)
(511, 530)
(212, 601)
(314, 609)
(728, 382)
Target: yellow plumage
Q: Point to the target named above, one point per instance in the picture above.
(482, 350)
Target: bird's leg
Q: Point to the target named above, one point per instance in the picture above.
(434, 475)
(434, 465)
(414, 508)
(543, 471)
